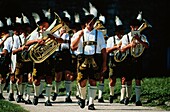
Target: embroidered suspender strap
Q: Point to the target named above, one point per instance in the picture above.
(83, 45)
(128, 42)
(20, 41)
(96, 41)
(114, 41)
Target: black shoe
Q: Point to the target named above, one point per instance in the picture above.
(35, 100)
(100, 100)
(48, 103)
(77, 97)
(1, 97)
(41, 96)
(28, 101)
(91, 107)
(22, 99)
(81, 102)
(122, 101)
(18, 99)
(138, 103)
(111, 99)
(11, 97)
(54, 96)
(126, 101)
(68, 99)
(87, 102)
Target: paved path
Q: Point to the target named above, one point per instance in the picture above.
(60, 106)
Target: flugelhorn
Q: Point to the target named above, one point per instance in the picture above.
(138, 49)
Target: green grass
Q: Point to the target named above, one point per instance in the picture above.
(155, 92)
(6, 106)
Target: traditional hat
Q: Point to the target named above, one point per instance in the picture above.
(8, 21)
(102, 18)
(89, 17)
(36, 17)
(67, 14)
(1, 24)
(93, 10)
(119, 24)
(25, 19)
(139, 17)
(47, 13)
(77, 18)
(18, 20)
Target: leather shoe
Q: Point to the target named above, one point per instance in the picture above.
(91, 107)
(81, 102)
(28, 101)
(126, 101)
(35, 100)
(48, 103)
(100, 100)
(54, 96)
(138, 103)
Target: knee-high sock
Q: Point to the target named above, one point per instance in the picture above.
(122, 92)
(48, 91)
(68, 85)
(2, 88)
(29, 87)
(23, 88)
(101, 89)
(78, 92)
(42, 83)
(56, 87)
(11, 87)
(128, 91)
(19, 88)
(88, 89)
(138, 92)
(82, 92)
(92, 94)
(36, 90)
(111, 88)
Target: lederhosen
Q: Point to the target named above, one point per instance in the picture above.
(4, 63)
(115, 68)
(90, 71)
(41, 70)
(63, 60)
(131, 66)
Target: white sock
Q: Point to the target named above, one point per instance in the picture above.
(36, 90)
(68, 85)
(128, 91)
(11, 87)
(48, 92)
(122, 92)
(29, 87)
(42, 83)
(101, 88)
(23, 88)
(56, 86)
(111, 90)
(88, 91)
(82, 92)
(19, 88)
(92, 94)
(2, 88)
(138, 92)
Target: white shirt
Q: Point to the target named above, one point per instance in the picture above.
(125, 41)
(111, 42)
(90, 36)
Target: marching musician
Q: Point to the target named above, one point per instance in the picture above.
(115, 68)
(91, 49)
(63, 62)
(4, 59)
(133, 64)
(41, 69)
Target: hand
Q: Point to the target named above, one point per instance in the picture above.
(81, 33)
(40, 41)
(25, 47)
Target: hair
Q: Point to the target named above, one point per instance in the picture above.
(135, 22)
(119, 28)
(88, 18)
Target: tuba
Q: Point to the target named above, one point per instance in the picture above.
(139, 48)
(38, 53)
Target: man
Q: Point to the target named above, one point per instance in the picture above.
(91, 50)
(115, 68)
(133, 64)
(4, 60)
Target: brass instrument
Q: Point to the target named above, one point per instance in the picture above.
(139, 48)
(118, 55)
(38, 53)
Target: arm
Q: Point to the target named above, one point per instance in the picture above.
(104, 56)
(74, 43)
